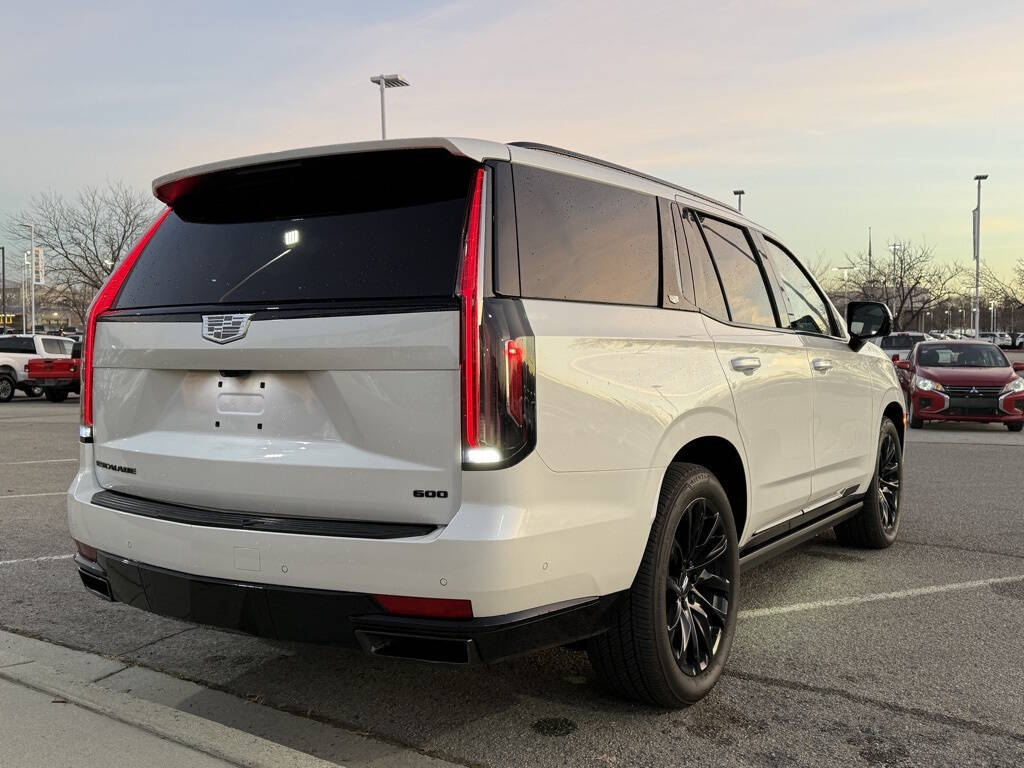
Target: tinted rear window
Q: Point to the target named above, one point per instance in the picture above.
(903, 341)
(372, 226)
(57, 346)
(581, 240)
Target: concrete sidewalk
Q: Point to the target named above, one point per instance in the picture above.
(40, 731)
(61, 707)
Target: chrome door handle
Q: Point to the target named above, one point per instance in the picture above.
(821, 364)
(746, 364)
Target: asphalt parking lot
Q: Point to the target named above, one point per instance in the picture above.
(910, 656)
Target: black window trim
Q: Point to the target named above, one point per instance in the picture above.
(837, 329)
(768, 283)
(672, 261)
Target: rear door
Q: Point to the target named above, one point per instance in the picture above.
(767, 368)
(288, 343)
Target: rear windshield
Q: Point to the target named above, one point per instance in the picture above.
(351, 227)
(903, 341)
(57, 346)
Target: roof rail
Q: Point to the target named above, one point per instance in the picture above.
(616, 167)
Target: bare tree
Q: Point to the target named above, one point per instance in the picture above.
(912, 282)
(84, 238)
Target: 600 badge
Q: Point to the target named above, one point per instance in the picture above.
(430, 494)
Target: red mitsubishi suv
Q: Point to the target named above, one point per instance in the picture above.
(962, 381)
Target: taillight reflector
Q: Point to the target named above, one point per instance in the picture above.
(104, 301)
(426, 607)
(89, 553)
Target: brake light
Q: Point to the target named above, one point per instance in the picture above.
(427, 607)
(469, 291)
(497, 358)
(102, 303)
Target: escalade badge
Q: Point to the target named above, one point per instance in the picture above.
(224, 328)
(974, 391)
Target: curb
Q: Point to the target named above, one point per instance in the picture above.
(210, 738)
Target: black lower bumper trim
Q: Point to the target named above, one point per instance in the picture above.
(217, 518)
(324, 616)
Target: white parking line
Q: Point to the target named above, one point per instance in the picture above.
(31, 495)
(36, 559)
(40, 461)
(899, 595)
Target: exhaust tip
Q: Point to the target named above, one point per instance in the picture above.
(435, 650)
(98, 585)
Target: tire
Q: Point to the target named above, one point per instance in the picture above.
(56, 395)
(1015, 427)
(33, 391)
(643, 656)
(6, 388)
(878, 522)
(916, 423)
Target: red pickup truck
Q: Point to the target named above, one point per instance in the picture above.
(56, 375)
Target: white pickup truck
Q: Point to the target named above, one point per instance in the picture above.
(16, 351)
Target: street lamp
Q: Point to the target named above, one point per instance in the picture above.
(31, 278)
(739, 199)
(846, 282)
(992, 314)
(977, 256)
(386, 81)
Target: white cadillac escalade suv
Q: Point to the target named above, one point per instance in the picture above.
(456, 400)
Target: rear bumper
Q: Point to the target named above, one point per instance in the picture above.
(523, 537)
(322, 616)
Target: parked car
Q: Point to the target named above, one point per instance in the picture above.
(937, 334)
(898, 345)
(524, 405)
(16, 351)
(1020, 341)
(57, 376)
(998, 338)
(963, 381)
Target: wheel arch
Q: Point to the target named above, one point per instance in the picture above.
(896, 413)
(724, 461)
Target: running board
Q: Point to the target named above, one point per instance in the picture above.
(752, 556)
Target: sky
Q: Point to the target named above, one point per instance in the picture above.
(832, 116)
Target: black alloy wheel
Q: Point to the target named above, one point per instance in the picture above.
(670, 635)
(889, 476)
(877, 522)
(697, 587)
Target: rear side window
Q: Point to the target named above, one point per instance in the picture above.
(56, 346)
(581, 240)
(374, 226)
(706, 285)
(17, 344)
(805, 306)
(745, 289)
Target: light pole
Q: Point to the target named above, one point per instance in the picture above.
(31, 276)
(739, 199)
(977, 256)
(3, 289)
(948, 329)
(386, 81)
(846, 282)
(992, 316)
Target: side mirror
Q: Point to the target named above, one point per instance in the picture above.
(867, 320)
(1018, 367)
(903, 365)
